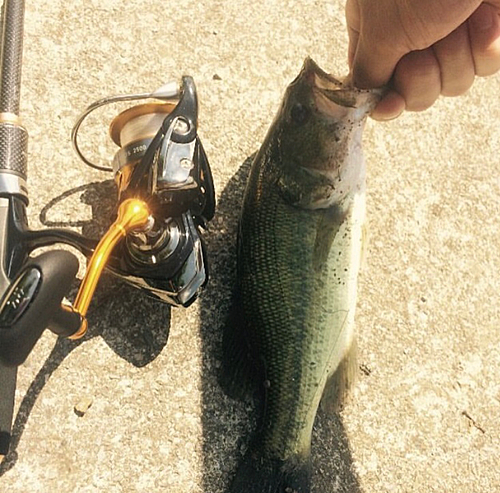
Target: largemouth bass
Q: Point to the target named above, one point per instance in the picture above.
(299, 250)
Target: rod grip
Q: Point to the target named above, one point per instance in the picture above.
(14, 150)
(30, 303)
(8, 377)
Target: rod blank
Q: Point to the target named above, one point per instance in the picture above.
(11, 55)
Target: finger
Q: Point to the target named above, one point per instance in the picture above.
(390, 107)
(484, 34)
(389, 29)
(456, 62)
(417, 78)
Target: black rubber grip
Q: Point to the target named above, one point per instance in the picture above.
(30, 304)
(14, 149)
(12, 54)
(7, 400)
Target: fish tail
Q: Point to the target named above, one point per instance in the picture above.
(258, 474)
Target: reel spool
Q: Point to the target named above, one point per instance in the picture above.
(133, 130)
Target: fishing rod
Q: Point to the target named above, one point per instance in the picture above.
(165, 198)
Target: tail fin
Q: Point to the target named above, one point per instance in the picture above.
(257, 474)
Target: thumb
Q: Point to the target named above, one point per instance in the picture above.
(372, 59)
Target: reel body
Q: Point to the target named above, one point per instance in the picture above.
(161, 160)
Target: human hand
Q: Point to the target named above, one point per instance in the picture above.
(421, 48)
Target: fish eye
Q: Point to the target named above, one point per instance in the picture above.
(299, 114)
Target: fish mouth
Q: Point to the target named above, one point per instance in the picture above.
(319, 77)
(333, 96)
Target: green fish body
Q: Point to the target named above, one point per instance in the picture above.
(299, 251)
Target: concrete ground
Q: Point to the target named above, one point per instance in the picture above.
(426, 413)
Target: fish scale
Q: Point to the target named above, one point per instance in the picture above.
(299, 251)
(297, 309)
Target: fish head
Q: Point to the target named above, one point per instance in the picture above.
(318, 137)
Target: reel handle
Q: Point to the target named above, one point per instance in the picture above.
(133, 214)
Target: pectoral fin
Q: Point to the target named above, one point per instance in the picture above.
(241, 372)
(329, 223)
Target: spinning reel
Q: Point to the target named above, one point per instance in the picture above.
(166, 195)
(165, 198)
(161, 161)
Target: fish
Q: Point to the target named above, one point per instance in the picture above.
(299, 248)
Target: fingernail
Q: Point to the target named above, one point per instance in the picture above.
(385, 117)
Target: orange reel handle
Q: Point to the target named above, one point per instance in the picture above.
(132, 214)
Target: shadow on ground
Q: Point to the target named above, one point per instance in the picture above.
(133, 325)
(227, 424)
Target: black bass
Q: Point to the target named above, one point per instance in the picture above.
(299, 250)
